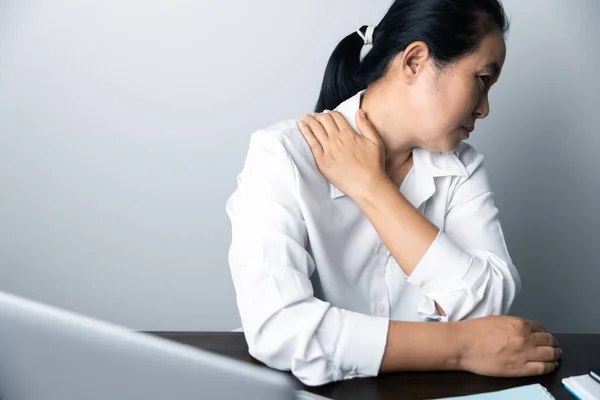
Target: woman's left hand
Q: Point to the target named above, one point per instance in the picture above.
(348, 160)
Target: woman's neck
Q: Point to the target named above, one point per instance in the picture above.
(382, 113)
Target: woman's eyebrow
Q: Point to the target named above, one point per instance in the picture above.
(494, 67)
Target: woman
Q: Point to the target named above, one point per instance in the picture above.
(347, 246)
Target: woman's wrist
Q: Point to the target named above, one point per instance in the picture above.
(424, 346)
(372, 189)
(459, 343)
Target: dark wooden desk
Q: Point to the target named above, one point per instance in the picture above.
(580, 352)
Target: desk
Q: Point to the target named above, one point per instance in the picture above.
(580, 352)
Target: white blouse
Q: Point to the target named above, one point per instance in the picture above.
(316, 287)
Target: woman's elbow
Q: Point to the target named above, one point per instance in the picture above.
(504, 283)
(286, 355)
(269, 347)
(492, 294)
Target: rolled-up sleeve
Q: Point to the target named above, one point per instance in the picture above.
(467, 270)
(285, 326)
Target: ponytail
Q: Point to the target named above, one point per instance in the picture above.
(342, 78)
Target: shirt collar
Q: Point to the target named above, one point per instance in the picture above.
(427, 165)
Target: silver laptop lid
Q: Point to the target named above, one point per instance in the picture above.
(52, 354)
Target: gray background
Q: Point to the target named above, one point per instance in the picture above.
(123, 125)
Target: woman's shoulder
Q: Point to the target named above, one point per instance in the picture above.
(279, 157)
(285, 137)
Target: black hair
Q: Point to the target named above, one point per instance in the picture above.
(451, 28)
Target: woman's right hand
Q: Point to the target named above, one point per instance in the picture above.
(503, 346)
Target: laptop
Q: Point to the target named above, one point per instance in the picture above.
(53, 354)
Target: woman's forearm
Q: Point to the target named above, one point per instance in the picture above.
(404, 230)
(422, 346)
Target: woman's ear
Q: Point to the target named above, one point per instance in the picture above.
(412, 62)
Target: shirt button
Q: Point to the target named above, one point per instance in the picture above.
(383, 250)
(380, 308)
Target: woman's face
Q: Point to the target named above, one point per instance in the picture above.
(447, 102)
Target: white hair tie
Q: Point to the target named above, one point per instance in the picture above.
(367, 41)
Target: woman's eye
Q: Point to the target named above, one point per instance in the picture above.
(486, 79)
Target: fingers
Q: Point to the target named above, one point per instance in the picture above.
(539, 368)
(544, 357)
(328, 122)
(313, 142)
(545, 348)
(342, 123)
(546, 354)
(316, 128)
(544, 339)
(366, 128)
(537, 327)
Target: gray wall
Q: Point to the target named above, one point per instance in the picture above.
(123, 126)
